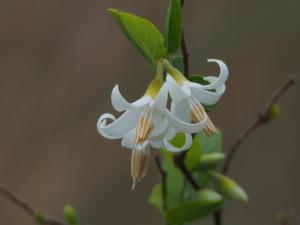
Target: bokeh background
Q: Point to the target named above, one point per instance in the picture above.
(59, 61)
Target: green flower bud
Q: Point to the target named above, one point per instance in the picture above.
(70, 215)
(211, 160)
(229, 187)
(274, 112)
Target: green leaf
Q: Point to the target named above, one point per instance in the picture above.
(156, 197)
(145, 37)
(229, 187)
(210, 144)
(178, 140)
(177, 62)
(206, 203)
(193, 155)
(211, 160)
(174, 179)
(70, 215)
(177, 188)
(173, 26)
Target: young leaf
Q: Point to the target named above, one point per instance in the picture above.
(212, 160)
(193, 156)
(177, 188)
(207, 202)
(145, 37)
(156, 197)
(175, 179)
(229, 187)
(70, 215)
(211, 144)
(173, 26)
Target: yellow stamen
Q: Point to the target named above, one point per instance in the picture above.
(144, 128)
(210, 128)
(198, 115)
(139, 164)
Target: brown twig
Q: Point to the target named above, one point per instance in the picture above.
(185, 53)
(163, 182)
(261, 119)
(47, 219)
(179, 161)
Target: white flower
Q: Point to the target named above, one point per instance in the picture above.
(188, 97)
(142, 125)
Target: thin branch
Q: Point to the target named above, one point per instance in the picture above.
(185, 55)
(261, 119)
(48, 220)
(179, 161)
(217, 216)
(163, 181)
(184, 49)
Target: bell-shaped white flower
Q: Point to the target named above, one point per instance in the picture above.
(142, 125)
(188, 99)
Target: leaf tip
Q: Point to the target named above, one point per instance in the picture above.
(112, 11)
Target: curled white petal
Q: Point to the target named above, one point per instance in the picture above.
(222, 77)
(172, 148)
(162, 98)
(208, 97)
(176, 92)
(102, 121)
(157, 144)
(118, 101)
(214, 82)
(121, 126)
(183, 126)
(121, 104)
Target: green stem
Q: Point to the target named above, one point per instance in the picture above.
(159, 70)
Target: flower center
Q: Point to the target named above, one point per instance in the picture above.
(145, 125)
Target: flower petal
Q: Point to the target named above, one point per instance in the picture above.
(157, 144)
(180, 110)
(215, 82)
(121, 104)
(160, 124)
(117, 129)
(208, 97)
(176, 92)
(172, 148)
(222, 77)
(128, 139)
(184, 126)
(146, 99)
(118, 101)
(162, 98)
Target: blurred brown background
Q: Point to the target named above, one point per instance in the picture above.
(59, 61)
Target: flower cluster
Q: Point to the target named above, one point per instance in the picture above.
(152, 122)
